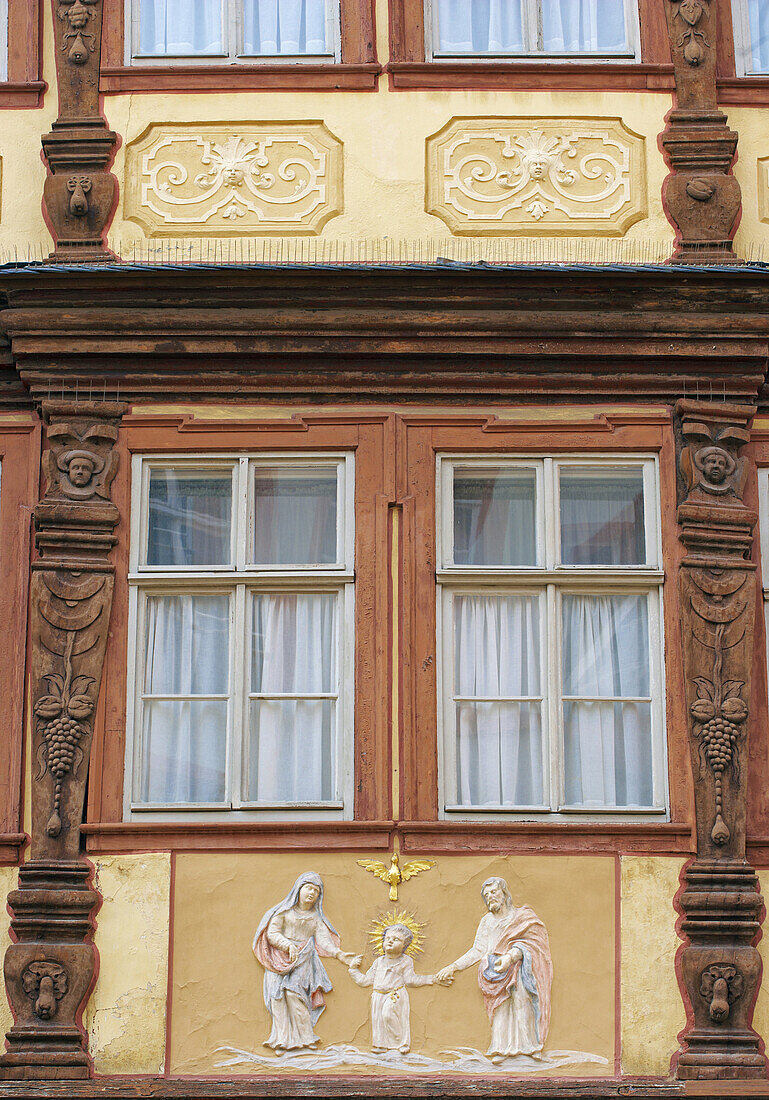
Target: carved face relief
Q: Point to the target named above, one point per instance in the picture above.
(45, 983)
(494, 896)
(716, 467)
(393, 942)
(308, 895)
(76, 470)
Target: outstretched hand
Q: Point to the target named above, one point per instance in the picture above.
(446, 975)
(356, 963)
(348, 958)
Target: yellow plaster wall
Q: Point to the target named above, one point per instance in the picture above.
(125, 1016)
(752, 124)
(651, 1005)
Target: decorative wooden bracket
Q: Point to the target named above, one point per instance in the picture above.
(720, 965)
(50, 968)
(80, 192)
(702, 198)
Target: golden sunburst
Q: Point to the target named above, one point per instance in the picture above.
(381, 924)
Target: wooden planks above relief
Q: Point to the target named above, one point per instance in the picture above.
(538, 176)
(220, 180)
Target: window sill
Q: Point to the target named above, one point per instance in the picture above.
(657, 837)
(28, 94)
(744, 91)
(299, 77)
(608, 76)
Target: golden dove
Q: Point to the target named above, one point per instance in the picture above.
(394, 875)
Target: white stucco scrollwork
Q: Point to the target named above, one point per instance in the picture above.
(218, 180)
(565, 176)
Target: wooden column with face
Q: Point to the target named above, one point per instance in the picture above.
(49, 970)
(721, 905)
(702, 198)
(80, 193)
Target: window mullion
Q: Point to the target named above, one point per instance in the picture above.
(237, 741)
(539, 24)
(554, 709)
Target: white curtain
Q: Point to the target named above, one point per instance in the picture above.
(494, 520)
(608, 748)
(285, 27)
(583, 26)
(182, 27)
(498, 744)
(189, 519)
(758, 14)
(294, 519)
(480, 26)
(184, 740)
(602, 520)
(291, 752)
(3, 39)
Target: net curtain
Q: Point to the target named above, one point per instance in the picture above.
(496, 26)
(186, 27)
(758, 15)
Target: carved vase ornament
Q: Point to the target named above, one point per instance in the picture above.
(49, 970)
(80, 191)
(721, 905)
(702, 198)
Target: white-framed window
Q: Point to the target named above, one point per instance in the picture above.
(226, 31)
(550, 678)
(751, 36)
(3, 40)
(533, 28)
(241, 623)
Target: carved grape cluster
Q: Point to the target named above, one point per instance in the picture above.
(720, 720)
(60, 715)
(719, 738)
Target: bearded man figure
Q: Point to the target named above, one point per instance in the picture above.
(515, 973)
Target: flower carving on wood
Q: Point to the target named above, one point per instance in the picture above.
(78, 41)
(692, 41)
(267, 177)
(45, 982)
(498, 175)
(720, 986)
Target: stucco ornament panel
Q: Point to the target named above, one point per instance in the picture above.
(538, 176)
(763, 188)
(217, 180)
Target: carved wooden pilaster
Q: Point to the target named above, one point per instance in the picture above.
(702, 198)
(720, 965)
(80, 192)
(49, 970)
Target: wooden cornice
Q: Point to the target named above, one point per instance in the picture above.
(364, 333)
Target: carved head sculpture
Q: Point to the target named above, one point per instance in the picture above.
(710, 461)
(79, 468)
(45, 983)
(715, 464)
(496, 893)
(397, 938)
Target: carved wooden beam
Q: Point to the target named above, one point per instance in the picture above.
(721, 967)
(702, 198)
(50, 969)
(80, 193)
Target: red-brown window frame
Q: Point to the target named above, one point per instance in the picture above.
(409, 67)
(24, 86)
(421, 438)
(370, 438)
(357, 71)
(20, 457)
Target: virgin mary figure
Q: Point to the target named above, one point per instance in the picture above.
(290, 941)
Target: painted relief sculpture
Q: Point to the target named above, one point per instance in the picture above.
(515, 973)
(390, 976)
(701, 195)
(721, 905)
(290, 942)
(49, 969)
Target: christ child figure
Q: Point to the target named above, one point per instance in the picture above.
(391, 975)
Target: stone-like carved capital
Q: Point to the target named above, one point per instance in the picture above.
(721, 906)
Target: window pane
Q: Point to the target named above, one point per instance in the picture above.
(584, 26)
(295, 516)
(758, 15)
(294, 644)
(184, 740)
(285, 27)
(3, 39)
(602, 518)
(607, 745)
(494, 517)
(292, 741)
(291, 753)
(189, 518)
(182, 27)
(498, 744)
(479, 26)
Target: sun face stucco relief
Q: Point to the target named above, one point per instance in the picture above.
(207, 180)
(541, 177)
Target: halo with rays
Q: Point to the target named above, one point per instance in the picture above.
(381, 924)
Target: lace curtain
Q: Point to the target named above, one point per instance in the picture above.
(758, 16)
(180, 27)
(496, 26)
(3, 39)
(270, 27)
(285, 27)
